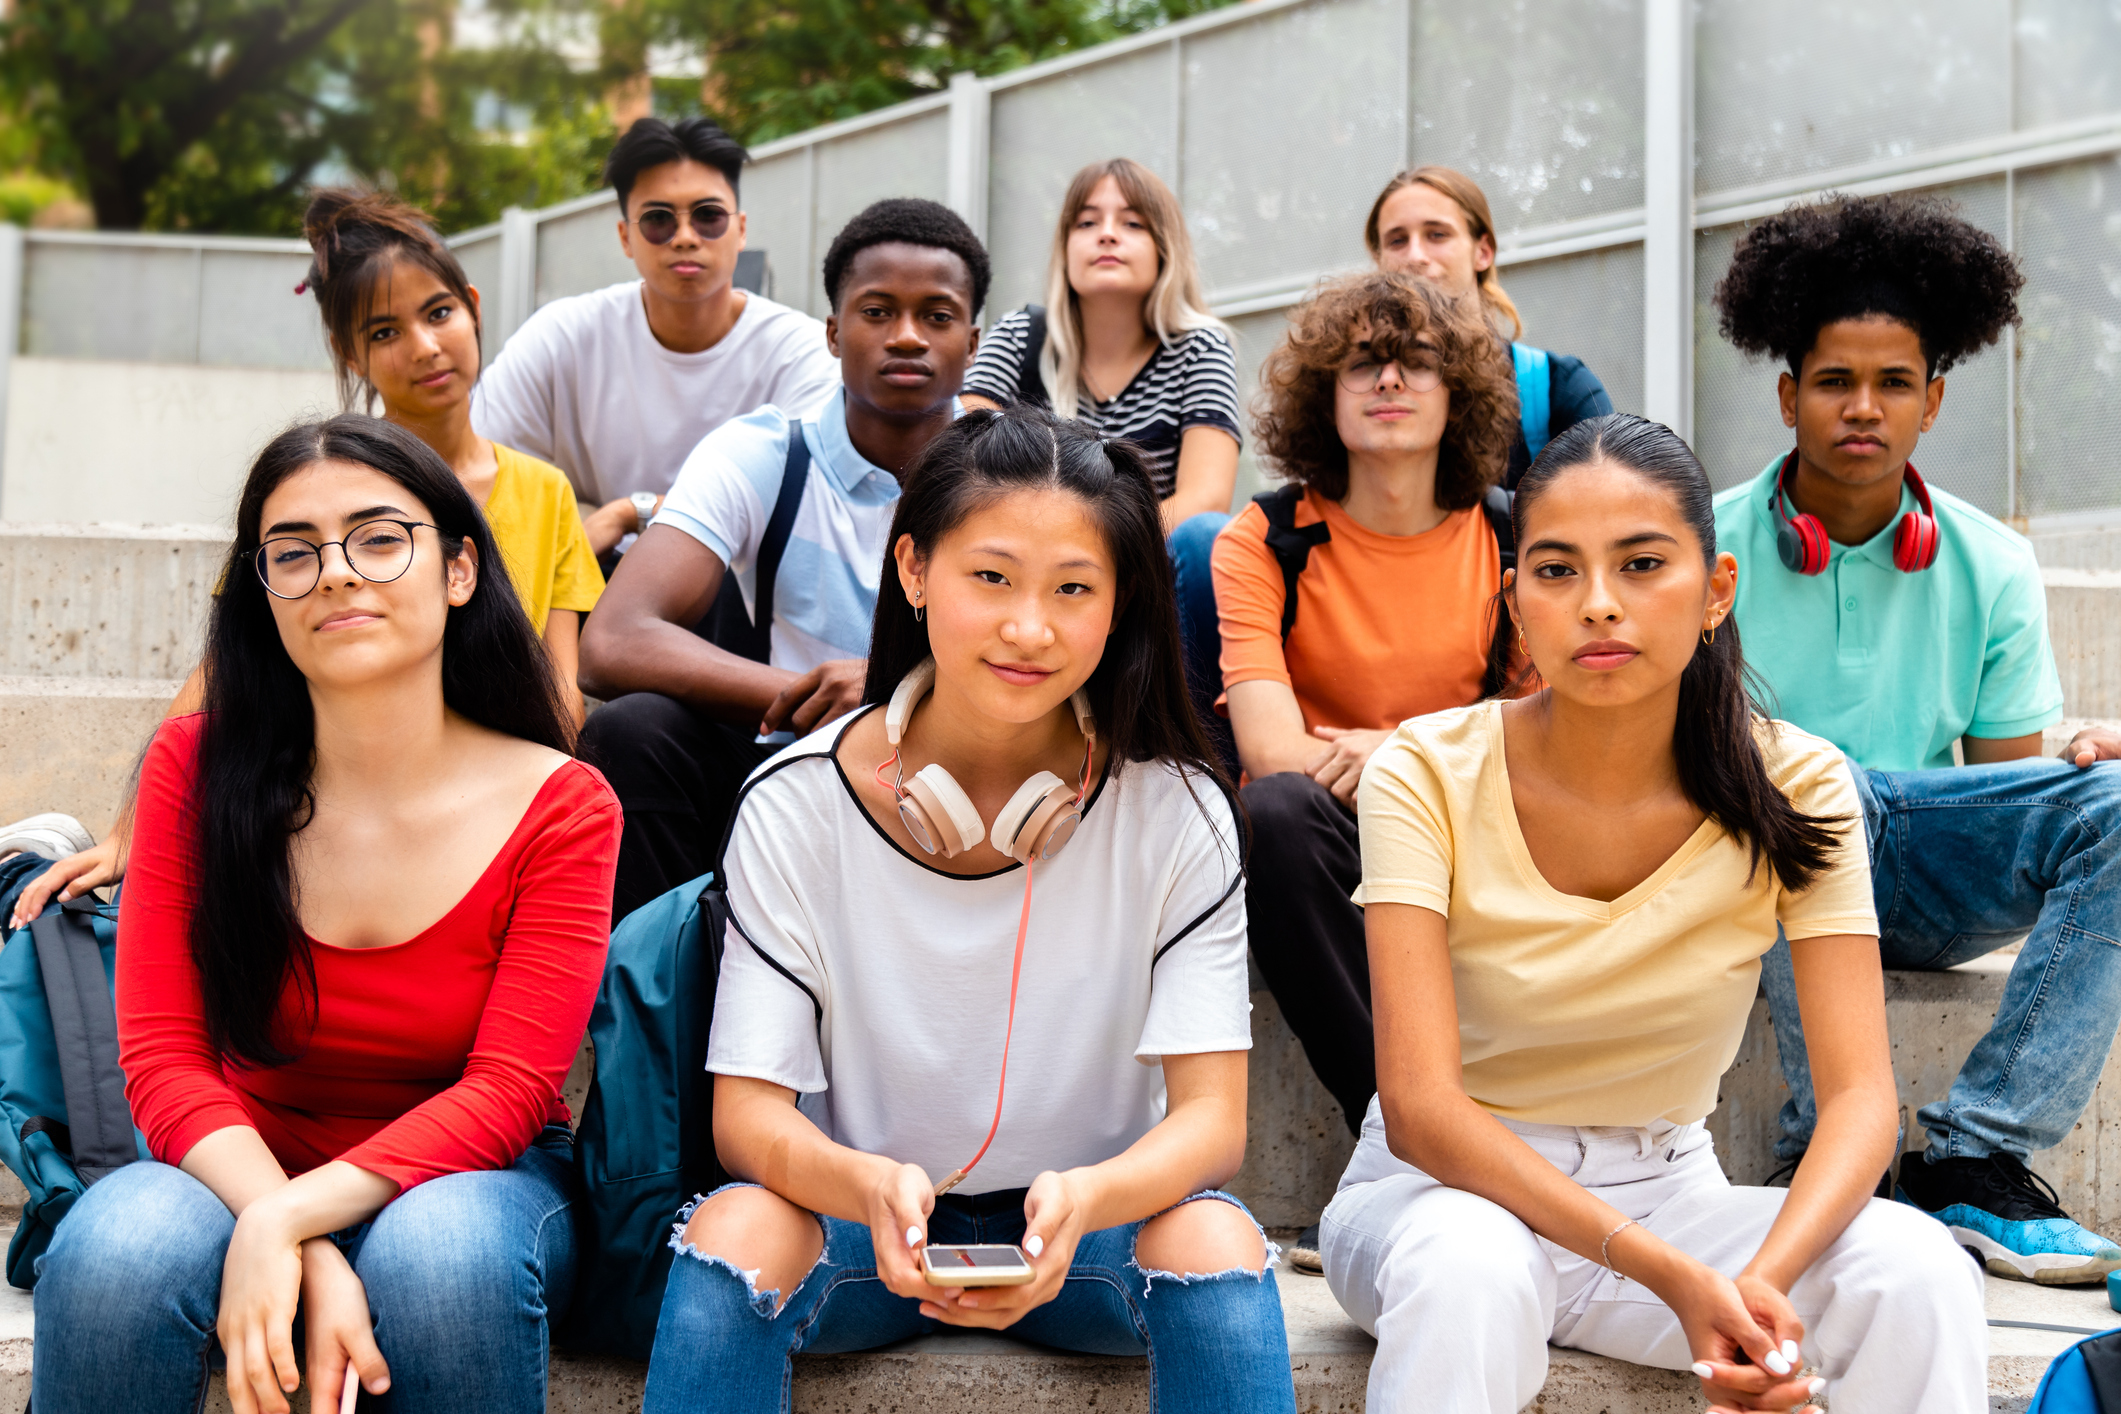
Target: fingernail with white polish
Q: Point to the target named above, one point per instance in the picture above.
(1701, 1369)
(1776, 1365)
(1035, 1245)
(913, 1237)
(1792, 1353)
(1816, 1387)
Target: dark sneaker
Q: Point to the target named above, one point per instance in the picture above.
(2010, 1216)
(1303, 1252)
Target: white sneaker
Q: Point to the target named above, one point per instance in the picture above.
(53, 835)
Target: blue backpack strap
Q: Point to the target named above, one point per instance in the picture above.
(1534, 384)
(795, 476)
(85, 1027)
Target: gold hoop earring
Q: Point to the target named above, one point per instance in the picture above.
(1709, 635)
(1522, 646)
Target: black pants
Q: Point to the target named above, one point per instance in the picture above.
(1307, 936)
(676, 773)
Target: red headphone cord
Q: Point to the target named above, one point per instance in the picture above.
(1016, 972)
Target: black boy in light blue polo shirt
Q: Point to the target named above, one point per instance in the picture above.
(1898, 621)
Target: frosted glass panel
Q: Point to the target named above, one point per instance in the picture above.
(909, 158)
(1293, 122)
(249, 315)
(1538, 101)
(776, 197)
(2069, 350)
(1804, 85)
(1590, 306)
(2069, 60)
(580, 252)
(1044, 133)
(123, 302)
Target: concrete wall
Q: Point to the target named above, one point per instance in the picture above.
(159, 443)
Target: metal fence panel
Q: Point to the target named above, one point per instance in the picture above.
(776, 197)
(481, 259)
(1784, 89)
(1254, 336)
(1045, 132)
(580, 252)
(250, 316)
(2069, 350)
(906, 158)
(1540, 103)
(1588, 305)
(2068, 61)
(139, 303)
(1292, 123)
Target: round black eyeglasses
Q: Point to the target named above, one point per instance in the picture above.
(378, 550)
(658, 225)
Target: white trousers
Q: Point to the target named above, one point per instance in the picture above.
(1464, 1298)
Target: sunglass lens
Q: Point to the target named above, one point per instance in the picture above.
(657, 226)
(710, 221)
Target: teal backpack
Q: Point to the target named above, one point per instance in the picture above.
(64, 1122)
(2084, 1379)
(646, 1142)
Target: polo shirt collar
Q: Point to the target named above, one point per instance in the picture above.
(835, 450)
(1878, 549)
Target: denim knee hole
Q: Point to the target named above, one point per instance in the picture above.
(1272, 1249)
(766, 1304)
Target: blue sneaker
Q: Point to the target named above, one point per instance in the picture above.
(2010, 1218)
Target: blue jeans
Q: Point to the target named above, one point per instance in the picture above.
(465, 1275)
(1200, 632)
(1214, 1343)
(1963, 861)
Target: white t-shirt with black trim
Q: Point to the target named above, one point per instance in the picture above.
(878, 986)
(1189, 382)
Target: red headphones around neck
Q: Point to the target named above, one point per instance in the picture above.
(1802, 542)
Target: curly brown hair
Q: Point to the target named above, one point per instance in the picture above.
(1293, 416)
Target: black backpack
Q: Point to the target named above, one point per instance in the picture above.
(1292, 545)
(1030, 383)
(726, 624)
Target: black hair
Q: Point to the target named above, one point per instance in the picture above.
(1909, 258)
(651, 142)
(1138, 690)
(1720, 765)
(916, 221)
(259, 734)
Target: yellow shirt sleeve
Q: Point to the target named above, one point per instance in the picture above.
(1407, 842)
(1815, 776)
(539, 531)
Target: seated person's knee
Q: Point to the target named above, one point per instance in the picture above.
(1201, 1238)
(757, 1230)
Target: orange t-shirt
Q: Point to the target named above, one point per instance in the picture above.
(1387, 626)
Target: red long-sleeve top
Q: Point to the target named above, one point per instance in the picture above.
(441, 1054)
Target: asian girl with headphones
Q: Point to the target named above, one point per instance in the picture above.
(989, 931)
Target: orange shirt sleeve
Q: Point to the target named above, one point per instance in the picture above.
(1248, 602)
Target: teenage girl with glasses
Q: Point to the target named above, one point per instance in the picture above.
(1567, 897)
(402, 322)
(365, 921)
(1433, 223)
(874, 1029)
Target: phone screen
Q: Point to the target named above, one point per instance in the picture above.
(944, 1259)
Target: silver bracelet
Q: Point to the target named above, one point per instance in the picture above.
(1606, 1246)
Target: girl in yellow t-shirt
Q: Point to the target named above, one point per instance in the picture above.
(1566, 898)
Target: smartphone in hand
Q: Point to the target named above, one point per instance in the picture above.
(984, 1265)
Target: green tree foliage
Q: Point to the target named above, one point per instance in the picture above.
(219, 115)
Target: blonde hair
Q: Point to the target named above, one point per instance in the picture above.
(1463, 190)
(1174, 303)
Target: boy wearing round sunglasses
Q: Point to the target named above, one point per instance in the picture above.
(617, 386)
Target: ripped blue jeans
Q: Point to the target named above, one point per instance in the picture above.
(1214, 1343)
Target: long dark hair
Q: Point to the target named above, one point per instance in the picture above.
(1720, 765)
(1138, 690)
(258, 742)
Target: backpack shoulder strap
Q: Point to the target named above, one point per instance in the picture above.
(1496, 505)
(1534, 388)
(85, 1028)
(1030, 383)
(1290, 542)
(795, 475)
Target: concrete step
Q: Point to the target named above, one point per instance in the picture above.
(73, 743)
(105, 601)
(1329, 1357)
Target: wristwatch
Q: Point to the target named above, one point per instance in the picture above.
(643, 507)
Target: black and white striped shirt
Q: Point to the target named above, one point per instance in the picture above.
(1191, 382)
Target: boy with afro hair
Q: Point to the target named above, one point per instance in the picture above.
(797, 504)
(1898, 621)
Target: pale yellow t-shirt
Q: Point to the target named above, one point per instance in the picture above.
(534, 521)
(1573, 1011)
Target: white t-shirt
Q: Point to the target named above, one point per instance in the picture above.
(878, 986)
(585, 385)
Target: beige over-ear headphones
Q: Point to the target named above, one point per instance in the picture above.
(1033, 825)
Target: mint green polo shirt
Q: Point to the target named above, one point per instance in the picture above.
(1893, 667)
